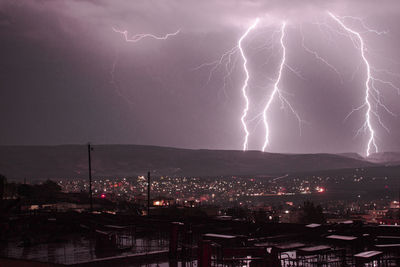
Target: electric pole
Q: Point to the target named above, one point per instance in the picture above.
(90, 178)
(148, 193)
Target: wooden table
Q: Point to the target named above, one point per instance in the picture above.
(288, 247)
(384, 246)
(342, 237)
(223, 240)
(368, 257)
(315, 250)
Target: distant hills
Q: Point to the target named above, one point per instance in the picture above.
(70, 161)
(352, 155)
(386, 158)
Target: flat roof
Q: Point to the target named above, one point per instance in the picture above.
(220, 236)
(315, 248)
(290, 246)
(368, 254)
(342, 237)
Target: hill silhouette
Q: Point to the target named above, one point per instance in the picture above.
(70, 161)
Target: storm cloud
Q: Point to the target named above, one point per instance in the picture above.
(67, 77)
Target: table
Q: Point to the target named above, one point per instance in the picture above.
(315, 250)
(342, 237)
(368, 257)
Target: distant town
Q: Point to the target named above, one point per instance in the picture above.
(280, 197)
(354, 194)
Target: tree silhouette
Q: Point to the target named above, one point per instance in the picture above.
(3, 182)
(311, 213)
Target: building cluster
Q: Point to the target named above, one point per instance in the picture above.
(213, 190)
(280, 198)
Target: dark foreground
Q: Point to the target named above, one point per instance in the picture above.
(84, 239)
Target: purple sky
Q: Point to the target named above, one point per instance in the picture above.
(57, 58)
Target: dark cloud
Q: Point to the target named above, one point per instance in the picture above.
(57, 61)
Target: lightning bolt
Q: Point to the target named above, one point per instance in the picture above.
(227, 60)
(245, 84)
(277, 91)
(133, 39)
(318, 57)
(364, 25)
(372, 101)
(114, 82)
(137, 37)
(371, 91)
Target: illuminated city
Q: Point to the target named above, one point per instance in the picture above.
(253, 133)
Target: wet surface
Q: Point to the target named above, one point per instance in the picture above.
(77, 249)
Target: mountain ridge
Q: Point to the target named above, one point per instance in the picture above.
(70, 161)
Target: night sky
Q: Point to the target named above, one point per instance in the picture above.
(66, 77)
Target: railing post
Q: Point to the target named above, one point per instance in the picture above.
(173, 239)
(204, 253)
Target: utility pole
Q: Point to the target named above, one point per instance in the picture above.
(148, 193)
(90, 177)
